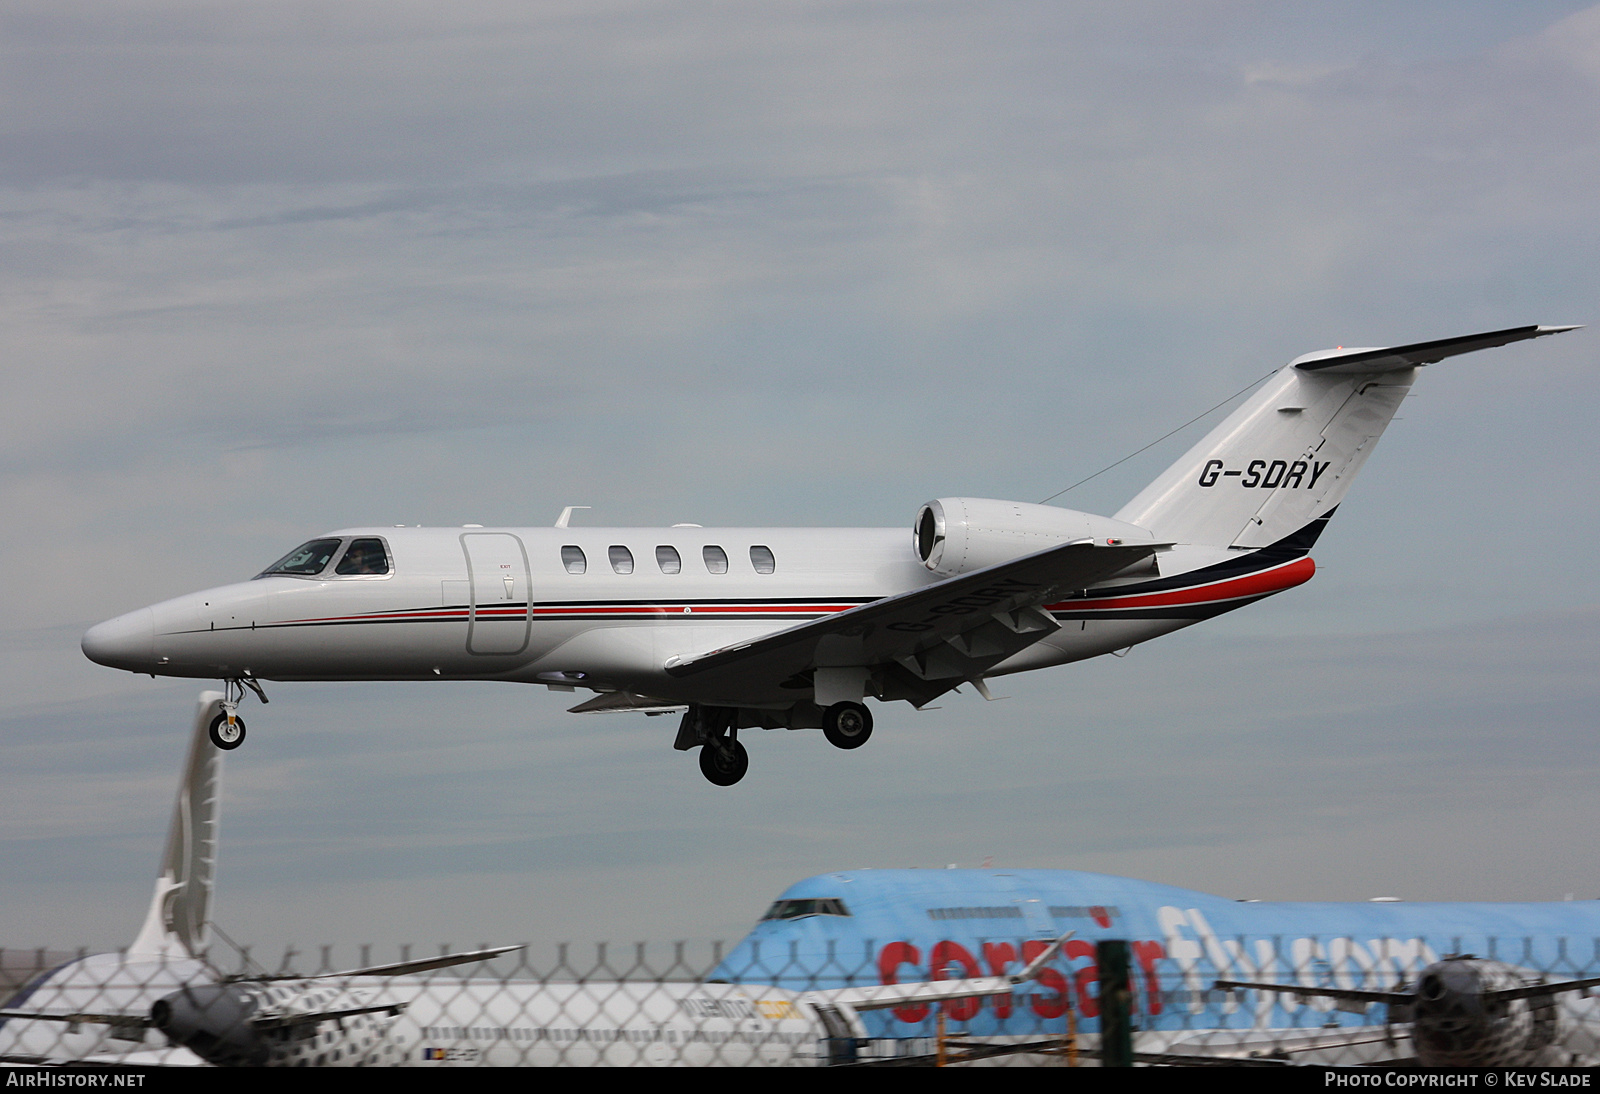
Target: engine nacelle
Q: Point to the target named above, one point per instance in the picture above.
(1469, 1013)
(957, 535)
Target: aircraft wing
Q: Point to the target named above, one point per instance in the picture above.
(931, 638)
(883, 996)
(1347, 1046)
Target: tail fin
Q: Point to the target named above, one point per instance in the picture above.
(180, 910)
(1287, 456)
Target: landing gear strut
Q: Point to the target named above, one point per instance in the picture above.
(715, 730)
(847, 725)
(227, 728)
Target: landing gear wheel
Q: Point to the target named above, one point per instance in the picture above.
(847, 725)
(223, 736)
(723, 761)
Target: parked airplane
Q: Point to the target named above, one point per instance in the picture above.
(95, 1010)
(62, 1024)
(100, 1009)
(794, 628)
(1457, 984)
(352, 1020)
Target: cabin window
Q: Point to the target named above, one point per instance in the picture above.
(669, 561)
(761, 558)
(306, 560)
(364, 556)
(573, 559)
(621, 559)
(716, 559)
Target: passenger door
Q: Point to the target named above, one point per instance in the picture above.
(502, 593)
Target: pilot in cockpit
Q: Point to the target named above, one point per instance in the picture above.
(365, 556)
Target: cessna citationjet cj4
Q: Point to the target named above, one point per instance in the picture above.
(794, 627)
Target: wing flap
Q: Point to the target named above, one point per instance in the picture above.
(951, 630)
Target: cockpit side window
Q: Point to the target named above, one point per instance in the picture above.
(364, 556)
(306, 560)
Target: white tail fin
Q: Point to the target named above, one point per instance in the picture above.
(180, 909)
(1287, 456)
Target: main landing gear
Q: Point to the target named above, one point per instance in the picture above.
(723, 760)
(715, 732)
(847, 725)
(227, 728)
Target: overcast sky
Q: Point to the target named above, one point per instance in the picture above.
(268, 269)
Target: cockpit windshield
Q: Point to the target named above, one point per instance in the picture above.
(306, 560)
(798, 909)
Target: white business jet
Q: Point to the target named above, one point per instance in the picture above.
(794, 628)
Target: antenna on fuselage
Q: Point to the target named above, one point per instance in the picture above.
(566, 514)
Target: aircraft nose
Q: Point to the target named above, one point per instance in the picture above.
(126, 642)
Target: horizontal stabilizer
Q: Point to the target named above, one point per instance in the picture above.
(133, 1021)
(421, 964)
(1368, 359)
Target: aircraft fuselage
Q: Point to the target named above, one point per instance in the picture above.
(504, 604)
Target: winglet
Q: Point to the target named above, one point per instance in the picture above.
(180, 909)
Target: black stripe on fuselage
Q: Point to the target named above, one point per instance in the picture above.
(1290, 547)
(1195, 612)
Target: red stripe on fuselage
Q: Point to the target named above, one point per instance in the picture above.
(1263, 583)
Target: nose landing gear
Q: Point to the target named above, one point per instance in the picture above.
(227, 731)
(227, 728)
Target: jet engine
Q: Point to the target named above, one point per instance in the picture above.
(1464, 1011)
(1474, 1013)
(958, 535)
(249, 1025)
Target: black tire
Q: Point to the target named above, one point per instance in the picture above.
(847, 725)
(724, 762)
(219, 732)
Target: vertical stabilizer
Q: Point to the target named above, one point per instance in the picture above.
(180, 909)
(1288, 455)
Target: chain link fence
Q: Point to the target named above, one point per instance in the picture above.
(682, 1004)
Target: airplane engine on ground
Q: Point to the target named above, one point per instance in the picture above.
(1476, 1013)
(1463, 1011)
(958, 535)
(239, 1025)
